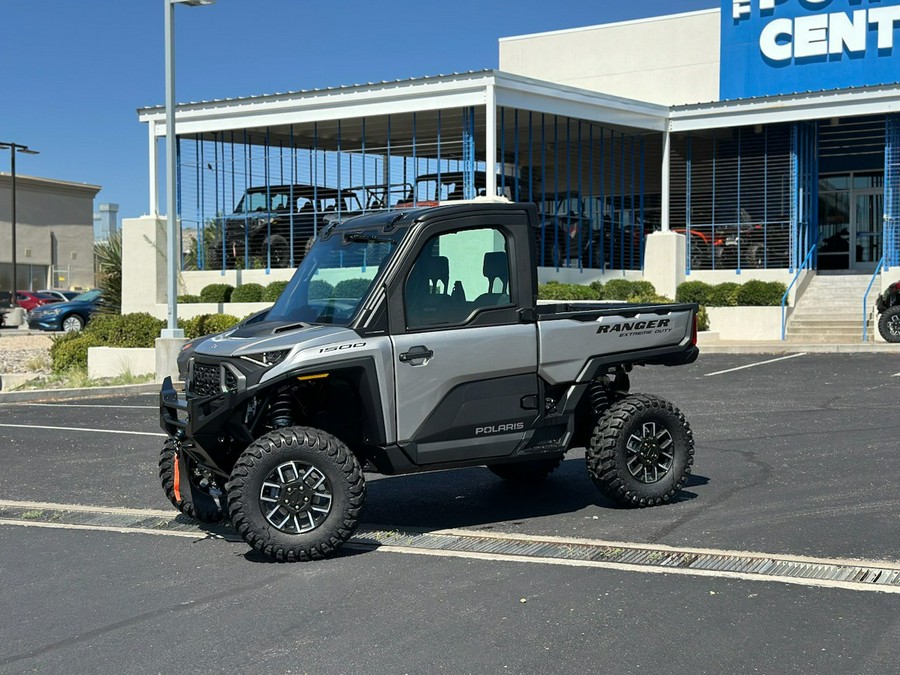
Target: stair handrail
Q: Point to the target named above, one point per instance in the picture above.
(804, 265)
(866, 300)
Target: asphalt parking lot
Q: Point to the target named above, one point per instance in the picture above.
(795, 456)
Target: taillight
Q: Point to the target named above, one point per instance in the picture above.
(694, 332)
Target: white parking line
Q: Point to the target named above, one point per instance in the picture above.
(95, 431)
(754, 365)
(882, 567)
(87, 405)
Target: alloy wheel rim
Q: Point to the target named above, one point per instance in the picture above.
(71, 324)
(296, 497)
(894, 325)
(649, 453)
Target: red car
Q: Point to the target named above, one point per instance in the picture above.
(28, 300)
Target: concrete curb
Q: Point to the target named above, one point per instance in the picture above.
(797, 347)
(34, 395)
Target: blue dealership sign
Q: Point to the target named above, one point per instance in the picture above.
(789, 46)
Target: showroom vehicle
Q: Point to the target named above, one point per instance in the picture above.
(888, 306)
(433, 355)
(268, 221)
(66, 316)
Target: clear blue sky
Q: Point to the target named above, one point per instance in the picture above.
(75, 71)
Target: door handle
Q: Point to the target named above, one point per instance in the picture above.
(416, 353)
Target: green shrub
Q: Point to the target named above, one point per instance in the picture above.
(761, 293)
(273, 291)
(128, 330)
(216, 293)
(622, 289)
(598, 289)
(702, 319)
(647, 298)
(247, 293)
(207, 324)
(188, 299)
(723, 295)
(320, 290)
(557, 291)
(693, 291)
(351, 288)
(70, 351)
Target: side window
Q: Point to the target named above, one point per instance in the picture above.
(456, 274)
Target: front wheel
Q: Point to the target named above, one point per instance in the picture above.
(296, 494)
(889, 324)
(641, 451)
(190, 490)
(72, 323)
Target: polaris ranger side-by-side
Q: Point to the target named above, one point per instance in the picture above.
(410, 341)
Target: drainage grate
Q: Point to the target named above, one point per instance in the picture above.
(859, 575)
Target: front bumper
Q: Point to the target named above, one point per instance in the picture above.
(41, 322)
(202, 425)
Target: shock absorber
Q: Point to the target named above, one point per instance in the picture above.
(600, 398)
(280, 409)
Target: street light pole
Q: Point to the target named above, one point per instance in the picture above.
(13, 149)
(172, 238)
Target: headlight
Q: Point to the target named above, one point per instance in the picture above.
(45, 312)
(269, 359)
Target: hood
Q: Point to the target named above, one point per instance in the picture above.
(269, 336)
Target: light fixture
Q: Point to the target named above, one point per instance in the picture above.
(13, 149)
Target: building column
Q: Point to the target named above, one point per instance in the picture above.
(666, 174)
(153, 167)
(490, 141)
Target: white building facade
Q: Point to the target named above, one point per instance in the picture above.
(750, 141)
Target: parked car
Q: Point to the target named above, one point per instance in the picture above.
(28, 300)
(66, 316)
(888, 306)
(64, 296)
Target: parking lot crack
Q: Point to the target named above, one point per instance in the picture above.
(764, 472)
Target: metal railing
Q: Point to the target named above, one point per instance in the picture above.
(865, 335)
(803, 266)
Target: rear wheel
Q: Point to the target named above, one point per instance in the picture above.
(191, 491)
(296, 494)
(532, 471)
(889, 324)
(641, 451)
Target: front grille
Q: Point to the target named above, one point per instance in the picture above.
(231, 381)
(205, 380)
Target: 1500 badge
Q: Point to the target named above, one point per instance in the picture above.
(342, 348)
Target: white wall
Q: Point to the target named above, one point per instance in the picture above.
(669, 60)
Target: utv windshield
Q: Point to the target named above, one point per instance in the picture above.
(335, 277)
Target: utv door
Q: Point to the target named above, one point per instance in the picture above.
(465, 367)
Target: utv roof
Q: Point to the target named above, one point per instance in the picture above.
(307, 191)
